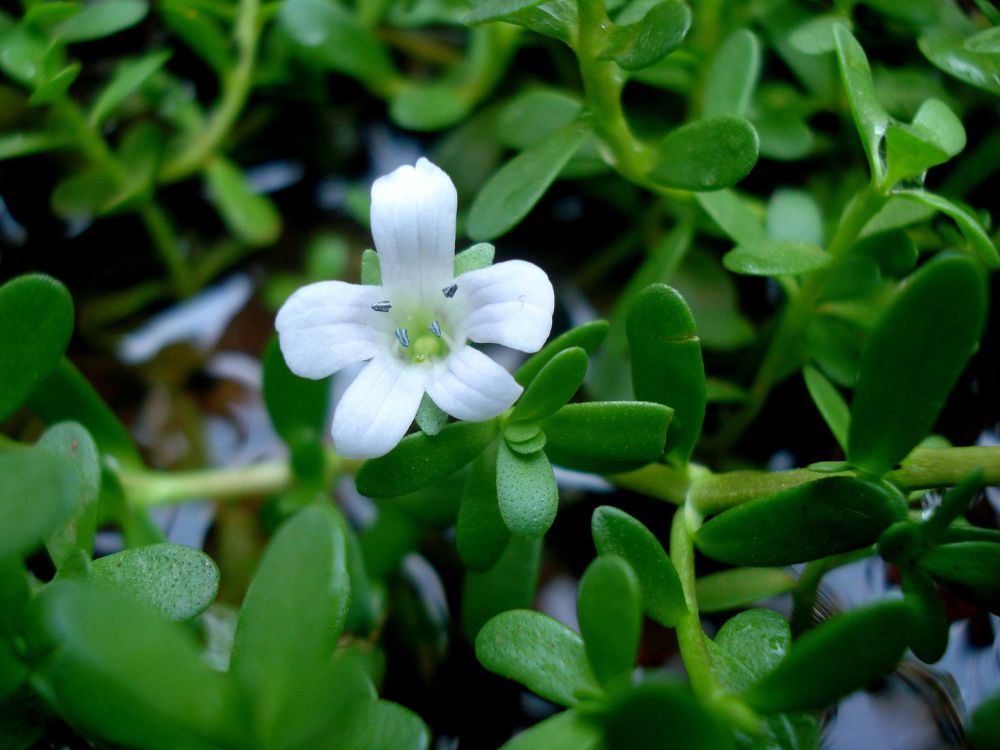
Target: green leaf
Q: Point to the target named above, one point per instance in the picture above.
(708, 154)
(657, 715)
(985, 731)
(946, 49)
(740, 587)
(22, 54)
(734, 214)
(567, 730)
(912, 359)
(13, 145)
(815, 36)
(480, 532)
(554, 385)
(420, 460)
(55, 86)
(251, 217)
(850, 651)
(331, 35)
(541, 653)
(13, 671)
(65, 395)
(14, 594)
(383, 725)
(830, 403)
(371, 270)
(179, 581)
(607, 436)
(39, 493)
(74, 542)
(793, 215)
(496, 10)
(290, 622)
(526, 492)
(935, 136)
(969, 568)
(930, 624)
(101, 19)
(667, 367)
(298, 407)
(512, 192)
(120, 670)
(733, 75)
(617, 533)
(524, 437)
(534, 114)
(554, 18)
(199, 30)
(954, 504)
(965, 219)
(985, 42)
(776, 258)
(610, 612)
(129, 76)
(429, 107)
(870, 118)
(750, 645)
(588, 337)
(806, 522)
(430, 417)
(478, 256)
(36, 322)
(508, 584)
(640, 44)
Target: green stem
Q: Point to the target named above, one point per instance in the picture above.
(806, 589)
(691, 638)
(161, 231)
(784, 353)
(235, 91)
(603, 81)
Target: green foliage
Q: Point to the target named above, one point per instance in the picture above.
(40, 492)
(526, 491)
(297, 406)
(709, 154)
(643, 42)
(610, 614)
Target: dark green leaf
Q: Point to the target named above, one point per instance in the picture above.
(733, 75)
(496, 10)
(22, 54)
(179, 581)
(774, 258)
(65, 395)
(13, 671)
(14, 595)
(607, 436)
(39, 493)
(969, 568)
(912, 359)
(554, 385)
(566, 730)
(850, 651)
(127, 78)
(13, 145)
(124, 672)
(667, 367)
(807, 522)
(965, 219)
(830, 403)
(610, 612)
(929, 628)
(708, 154)
(290, 622)
(541, 653)
(513, 191)
(36, 322)
(526, 492)
(985, 731)
(297, 406)
(199, 31)
(658, 715)
(420, 460)
(101, 19)
(954, 504)
(640, 44)
(740, 587)
(750, 645)
(480, 532)
(588, 337)
(946, 49)
(617, 533)
(870, 118)
(56, 86)
(383, 725)
(250, 216)
(508, 584)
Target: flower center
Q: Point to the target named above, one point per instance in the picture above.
(420, 338)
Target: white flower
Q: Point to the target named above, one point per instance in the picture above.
(415, 326)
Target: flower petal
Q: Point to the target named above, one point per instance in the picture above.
(413, 223)
(377, 408)
(471, 386)
(510, 303)
(326, 326)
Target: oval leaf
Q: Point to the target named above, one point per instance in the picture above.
(970, 568)
(733, 75)
(526, 492)
(610, 614)
(807, 522)
(708, 154)
(555, 384)
(912, 359)
(480, 532)
(40, 491)
(740, 587)
(588, 337)
(775, 258)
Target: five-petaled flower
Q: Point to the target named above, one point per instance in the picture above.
(415, 326)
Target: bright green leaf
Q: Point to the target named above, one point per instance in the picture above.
(830, 403)
(750, 645)
(870, 118)
(554, 385)
(733, 75)
(707, 154)
(644, 42)
(478, 256)
(776, 258)
(740, 587)
(588, 337)
(297, 406)
(610, 612)
(250, 216)
(526, 492)
(965, 219)
(39, 493)
(794, 215)
(129, 76)
(100, 19)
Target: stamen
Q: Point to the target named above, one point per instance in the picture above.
(402, 337)
(435, 328)
(382, 306)
(449, 291)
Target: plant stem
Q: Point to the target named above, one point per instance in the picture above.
(235, 91)
(161, 231)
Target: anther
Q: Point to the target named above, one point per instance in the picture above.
(449, 291)
(402, 337)
(382, 306)
(435, 328)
